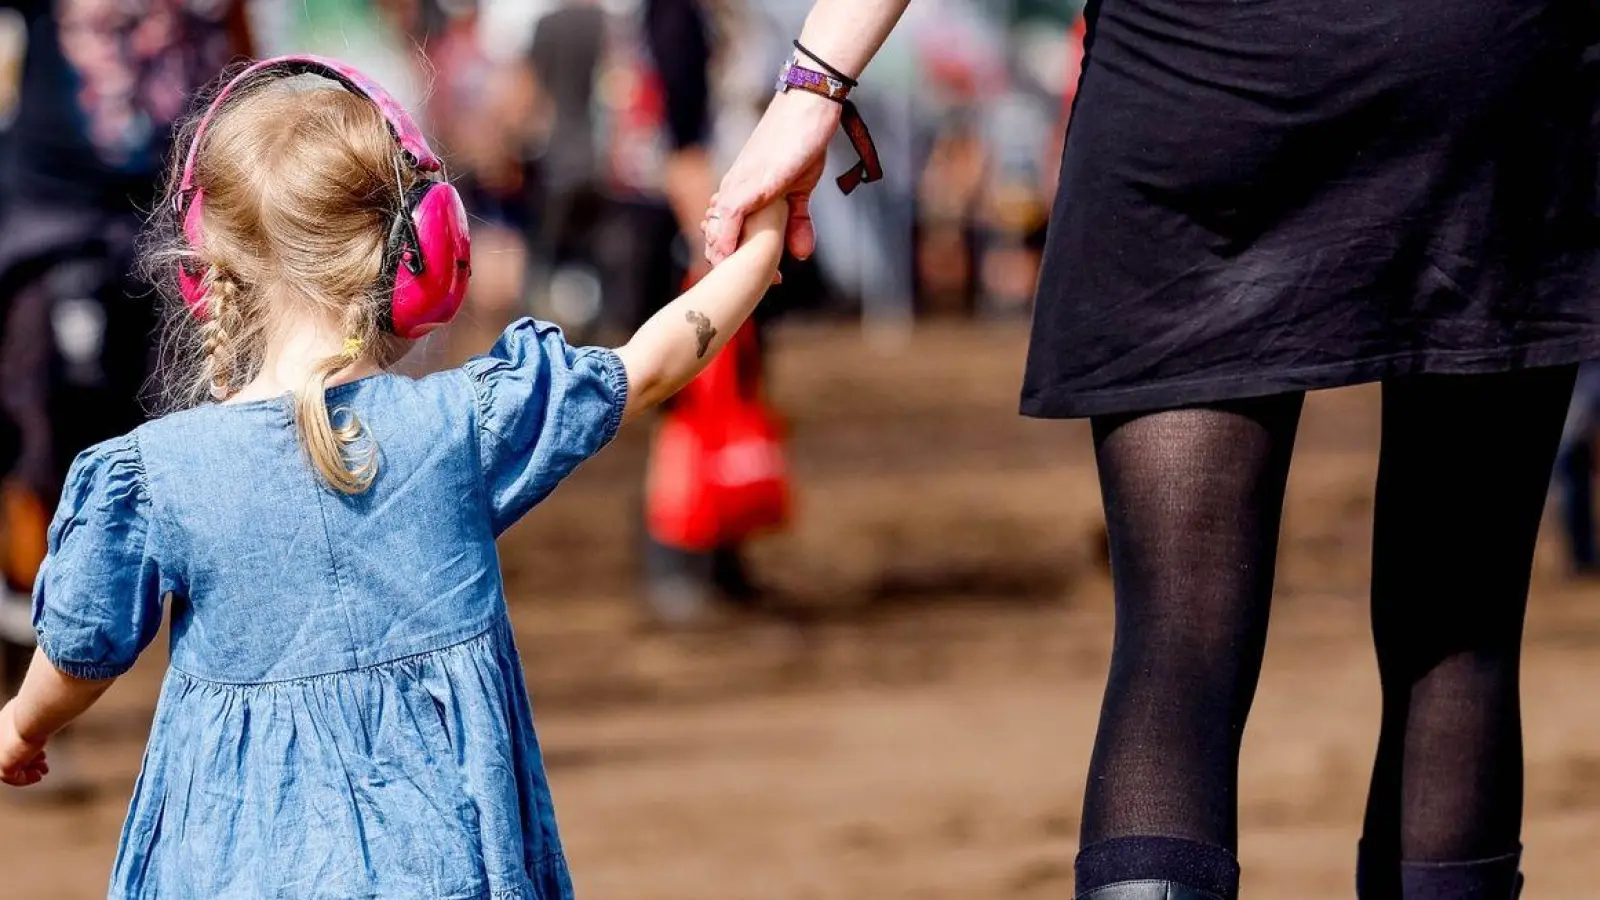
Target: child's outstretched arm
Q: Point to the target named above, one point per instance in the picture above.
(677, 342)
(47, 702)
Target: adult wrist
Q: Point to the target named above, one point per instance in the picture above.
(828, 57)
(821, 62)
(833, 87)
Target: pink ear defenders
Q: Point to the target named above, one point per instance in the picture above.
(428, 258)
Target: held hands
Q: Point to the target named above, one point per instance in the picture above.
(783, 159)
(22, 761)
(767, 224)
(761, 239)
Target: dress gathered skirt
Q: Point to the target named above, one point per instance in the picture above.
(419, 774)
(1264, 196)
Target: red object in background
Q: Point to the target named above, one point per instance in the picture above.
(636, 102)
(1075, 53)
(717, 473)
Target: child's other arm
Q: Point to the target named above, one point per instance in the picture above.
(48, 701)
(677, 343)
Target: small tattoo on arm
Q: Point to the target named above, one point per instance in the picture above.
(703, 332)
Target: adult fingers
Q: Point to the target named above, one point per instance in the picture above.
(741, 193)
(723, 227)
(726, 217)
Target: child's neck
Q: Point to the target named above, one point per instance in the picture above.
(291, 359)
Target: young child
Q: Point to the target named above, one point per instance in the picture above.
(345, 714)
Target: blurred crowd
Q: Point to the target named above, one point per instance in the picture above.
(552, 114)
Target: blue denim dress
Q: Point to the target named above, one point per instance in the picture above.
(345, 714)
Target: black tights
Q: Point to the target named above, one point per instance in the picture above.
(1193, 500)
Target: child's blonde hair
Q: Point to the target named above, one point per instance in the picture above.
(302, 183)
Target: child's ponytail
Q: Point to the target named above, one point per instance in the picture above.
(335, 439)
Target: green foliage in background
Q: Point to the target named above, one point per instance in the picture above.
(1063, 11)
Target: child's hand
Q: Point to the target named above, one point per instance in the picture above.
(764, 234)
(22, 762)
(770, 219)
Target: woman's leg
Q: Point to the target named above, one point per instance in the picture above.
(1193, 501)
(1462, 481)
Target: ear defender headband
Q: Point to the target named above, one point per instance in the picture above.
(428, 257)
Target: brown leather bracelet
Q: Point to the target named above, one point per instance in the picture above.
(868, 168)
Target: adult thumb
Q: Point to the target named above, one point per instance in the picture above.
(800, 235)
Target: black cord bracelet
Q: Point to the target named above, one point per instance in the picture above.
(851, 82)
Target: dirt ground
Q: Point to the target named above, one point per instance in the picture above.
(919, 725)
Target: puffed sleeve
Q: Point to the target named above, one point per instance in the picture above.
(97, 602)
(543, 408)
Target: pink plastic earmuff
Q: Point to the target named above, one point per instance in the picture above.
(429, 254)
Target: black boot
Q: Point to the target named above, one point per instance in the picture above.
(1484, 879)
(1143, 867)
(1148, 890)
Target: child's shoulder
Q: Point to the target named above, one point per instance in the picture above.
(127, 452)
(112, 466)
(122, 448)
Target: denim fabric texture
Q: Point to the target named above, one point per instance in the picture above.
(345, 714)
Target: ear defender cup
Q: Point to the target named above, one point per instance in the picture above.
(191, 281)
(428, 259)
(431, 256)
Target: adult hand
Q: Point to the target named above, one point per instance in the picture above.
(22, 761)
(783, 158)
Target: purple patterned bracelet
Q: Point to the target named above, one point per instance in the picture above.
(797, 77)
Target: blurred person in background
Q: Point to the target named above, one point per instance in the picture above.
(101, 87)
(948, 193)
(609, 108)
(1256, 200)
(482, 110)
(660, 176)
(1014, 205)
(656, 145)
(13, 46)
(571, 203)
(980, 206)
